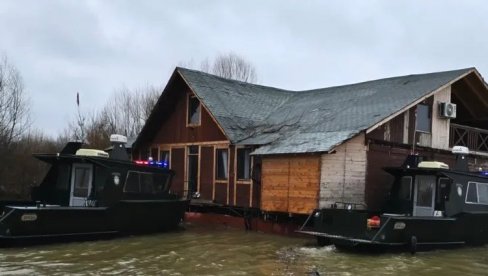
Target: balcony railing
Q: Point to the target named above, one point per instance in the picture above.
(475, 139)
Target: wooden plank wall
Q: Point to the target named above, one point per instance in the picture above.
(440, 126)
(343, 173)
(177, 163)
(290, 184)
(175, 130)
(206, 172)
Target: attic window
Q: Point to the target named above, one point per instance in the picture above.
(193, 117)
(424, 118)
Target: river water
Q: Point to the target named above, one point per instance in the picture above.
(203, 250)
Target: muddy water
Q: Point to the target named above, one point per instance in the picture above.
(219, 251)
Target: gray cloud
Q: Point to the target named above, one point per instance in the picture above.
(94, 47)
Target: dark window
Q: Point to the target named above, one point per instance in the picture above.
(477, 193)
(192, 171)
(193, 149)
(424, 118)
(82, 182)
(62, 183)
(164, 158)
(161, 182)
(405, 188)
(482, 193)
(425, 190)
(443, 188)
(472, 195)
(243, 163)
(222, 165)
(193, 110)
(147, 183)
(132, 183)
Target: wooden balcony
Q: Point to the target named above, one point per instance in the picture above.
(476, 139)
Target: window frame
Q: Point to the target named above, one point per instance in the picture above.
(161, 150)
(477, 193)
(429, 114)
(243, 180)
(216, 175)
(139, 174)
(188, 117)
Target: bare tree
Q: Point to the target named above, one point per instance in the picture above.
(125, 112)
(14, 106)
(229, 66)
(232, 66)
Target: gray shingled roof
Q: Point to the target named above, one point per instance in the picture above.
(307, 121)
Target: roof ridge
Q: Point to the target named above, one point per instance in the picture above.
(233, 80)
(388, 78)
(322, 88)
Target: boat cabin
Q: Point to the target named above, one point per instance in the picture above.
(432, 189)
(91, 178)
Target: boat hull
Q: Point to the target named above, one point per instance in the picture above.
(348, 229)
(44, 223)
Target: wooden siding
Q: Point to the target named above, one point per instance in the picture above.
(391, 131)
(221, 193)
(177, 164)
(206, 172)
(232, 183)
(401, 129)
(290, 184)
(343, 173)
(175, 130)
(440, 126)
(243, 192)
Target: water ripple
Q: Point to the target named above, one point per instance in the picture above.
(220, 251)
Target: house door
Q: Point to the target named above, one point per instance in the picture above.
(192, 170)
(81, 184)
(423, 201)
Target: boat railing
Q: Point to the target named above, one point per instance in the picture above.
(475, 139)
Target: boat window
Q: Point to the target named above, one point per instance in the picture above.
(482, 193)
(82, 181)
(425, 189)
(477, 193)
(161, 181)
(132, 183)
(147, 184)
(405, 191)
(472, 194)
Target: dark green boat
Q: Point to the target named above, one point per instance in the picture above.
(89, 194)
(430, 206)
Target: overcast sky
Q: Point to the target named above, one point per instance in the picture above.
(96, 47)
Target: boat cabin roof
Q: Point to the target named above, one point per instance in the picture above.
(100, 161)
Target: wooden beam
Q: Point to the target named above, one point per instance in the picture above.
(476, 90)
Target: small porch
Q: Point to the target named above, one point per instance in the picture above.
(476, 139)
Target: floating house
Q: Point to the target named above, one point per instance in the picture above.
(243, 145)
